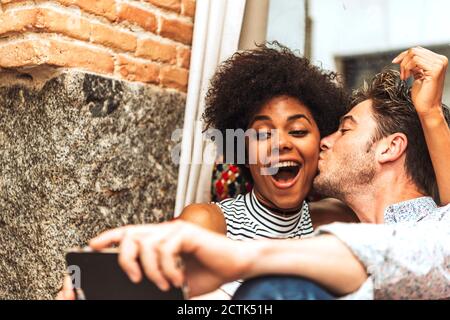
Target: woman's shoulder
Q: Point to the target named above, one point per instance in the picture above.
(330, 210)
(237, 201)
(206, 215)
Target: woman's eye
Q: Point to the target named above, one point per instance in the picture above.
(343, 131)
(298, 133)
(263, 135)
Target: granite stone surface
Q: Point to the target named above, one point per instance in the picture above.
(78, 155)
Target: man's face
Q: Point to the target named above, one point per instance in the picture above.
(347, 159)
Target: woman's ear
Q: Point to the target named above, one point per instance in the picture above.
(392, 147)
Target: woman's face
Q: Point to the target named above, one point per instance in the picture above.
(285, 163)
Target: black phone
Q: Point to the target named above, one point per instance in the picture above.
(96, 275)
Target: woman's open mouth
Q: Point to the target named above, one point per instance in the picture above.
(286, 174)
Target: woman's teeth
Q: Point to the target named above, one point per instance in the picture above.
(284, 164)
(287, 171)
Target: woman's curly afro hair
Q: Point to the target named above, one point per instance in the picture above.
(244, 82)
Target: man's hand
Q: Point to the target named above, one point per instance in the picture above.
(210, 259)
(428, 70)
(66, 293)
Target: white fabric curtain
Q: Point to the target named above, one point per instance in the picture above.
(216, 37)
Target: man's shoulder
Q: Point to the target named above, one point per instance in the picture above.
(440, 214)
(445, 210)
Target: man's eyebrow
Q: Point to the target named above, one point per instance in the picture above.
(298, 116)
(347, 117)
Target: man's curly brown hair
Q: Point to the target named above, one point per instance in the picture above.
(244, 82)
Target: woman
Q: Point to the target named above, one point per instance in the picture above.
(272, 90)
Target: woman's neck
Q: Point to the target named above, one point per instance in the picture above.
(269, 205)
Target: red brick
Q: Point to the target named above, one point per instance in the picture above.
(133, 69)
(113, 37)
(183, 57)
(75, 55)
(10, 1)
(44, 19)
(176, 30)
(173, 77)
(105, 8)
(17, 21)
(188, 8)
(148, 48)
(65, 23)
(42, 50)
(20, 54)
(139, 16)
(173, 5)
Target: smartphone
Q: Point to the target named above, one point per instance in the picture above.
(96, 275)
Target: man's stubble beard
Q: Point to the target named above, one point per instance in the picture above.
(348, 177)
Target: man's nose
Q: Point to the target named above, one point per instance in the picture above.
(326, 142)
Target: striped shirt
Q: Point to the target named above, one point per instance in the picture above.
(246, 218)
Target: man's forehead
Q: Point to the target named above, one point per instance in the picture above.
(360, 113)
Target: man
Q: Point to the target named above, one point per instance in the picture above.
(378, 163)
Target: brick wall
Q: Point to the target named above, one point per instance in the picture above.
(146, 41)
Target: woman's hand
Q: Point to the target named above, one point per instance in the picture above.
(428, 69)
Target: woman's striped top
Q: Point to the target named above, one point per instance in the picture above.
(246, 218)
